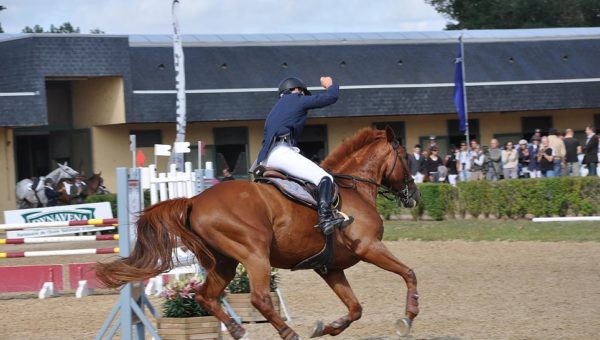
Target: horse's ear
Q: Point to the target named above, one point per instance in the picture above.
(391, 135)
(100, 173)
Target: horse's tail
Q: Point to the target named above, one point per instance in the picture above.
(158, 228)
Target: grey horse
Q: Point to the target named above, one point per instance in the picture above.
(29, 197)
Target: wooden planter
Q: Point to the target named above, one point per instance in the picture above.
(240, 302)
(202, 327)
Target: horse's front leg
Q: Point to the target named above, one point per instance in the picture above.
(339, 284)
(377, 253)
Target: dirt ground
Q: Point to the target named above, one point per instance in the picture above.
(469, 290)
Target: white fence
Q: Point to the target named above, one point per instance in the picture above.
(174, 184)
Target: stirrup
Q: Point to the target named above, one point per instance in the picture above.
(347, 219)
(327, 227)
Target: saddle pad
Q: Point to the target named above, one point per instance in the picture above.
(292, 190)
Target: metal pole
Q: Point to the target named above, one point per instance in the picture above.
(464, 88)
(180, 110)
(128, 188)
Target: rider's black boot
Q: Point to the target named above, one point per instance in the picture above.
(327, 221)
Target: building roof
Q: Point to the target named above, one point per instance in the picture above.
(166, 40)
(234, 77)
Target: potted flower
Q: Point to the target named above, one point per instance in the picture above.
(182, 317)
(238, 296)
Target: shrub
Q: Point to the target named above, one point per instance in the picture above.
(507, 198)
(110, 198)
(241, 281)
(179, 299)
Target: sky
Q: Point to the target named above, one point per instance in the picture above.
(224, 16)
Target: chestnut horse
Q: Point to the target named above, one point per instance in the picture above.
(253, 224)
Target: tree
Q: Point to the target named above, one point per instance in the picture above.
(1, 9)
(494, 14)
(96, 31)
(34, 29)
(64, 28)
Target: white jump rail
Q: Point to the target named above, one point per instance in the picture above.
(566, 219)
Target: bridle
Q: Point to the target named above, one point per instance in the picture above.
(385, 190)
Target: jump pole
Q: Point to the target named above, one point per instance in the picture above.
(566, 219)
(15, 254)
(56, 239)
(128, 189)
(57, 224)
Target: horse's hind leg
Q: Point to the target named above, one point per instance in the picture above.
(259, 271)
(211, 290)
(377, 253)
(339, 284)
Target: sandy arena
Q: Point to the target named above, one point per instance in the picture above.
(469, 290)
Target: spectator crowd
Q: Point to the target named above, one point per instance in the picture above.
(553, 155)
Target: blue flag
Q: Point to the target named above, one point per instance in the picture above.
(459, 98)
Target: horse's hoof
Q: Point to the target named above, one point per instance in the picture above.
(245, 337)
(403, 326)
(318, 330)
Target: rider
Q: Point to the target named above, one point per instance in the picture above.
(283, 126)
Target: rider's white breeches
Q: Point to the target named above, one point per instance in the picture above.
(289, 160)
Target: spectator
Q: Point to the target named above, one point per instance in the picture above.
(510, 161)
(537, 133)
(477, 163)
(523, 153)
(558, 147)
(590, 151)
(451, 163)
(464, 162)
(227, 176)
(546, 158)
(432, 142)
(415, 163)
(494, 157)
(534, 162)
(78, 191)
(432, 163)
(51, 193)
(572, 149)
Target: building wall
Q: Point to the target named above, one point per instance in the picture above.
(111, 143)
(7, 171)
(98, 101)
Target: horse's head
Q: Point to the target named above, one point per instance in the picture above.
(396, 173)
(67, 171)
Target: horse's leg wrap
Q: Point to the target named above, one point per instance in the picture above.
(337, 326)
(412, 296)
(235, 329)
(286, 333)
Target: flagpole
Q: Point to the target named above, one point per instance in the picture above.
(464, 89)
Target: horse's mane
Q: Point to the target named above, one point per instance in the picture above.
(361, 138)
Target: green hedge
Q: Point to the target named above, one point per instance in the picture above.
(112, 199)
(517, 198)
(573, 196)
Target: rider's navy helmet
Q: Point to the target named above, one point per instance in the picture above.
(288, 84)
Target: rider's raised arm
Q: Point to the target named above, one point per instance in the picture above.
(323, 99)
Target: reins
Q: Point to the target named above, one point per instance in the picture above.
(382, 189)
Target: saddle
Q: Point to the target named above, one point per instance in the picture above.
(296, 189)
(305, 193)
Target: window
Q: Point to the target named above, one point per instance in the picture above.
(442, 143)
(505, 137)
(207, 156)
(398, 128)
(313, 142)
(231, 150)
(597, 122)
(146, 138)
(529, 124)
(455, 136)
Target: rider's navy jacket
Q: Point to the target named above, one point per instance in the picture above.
(289, 114)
